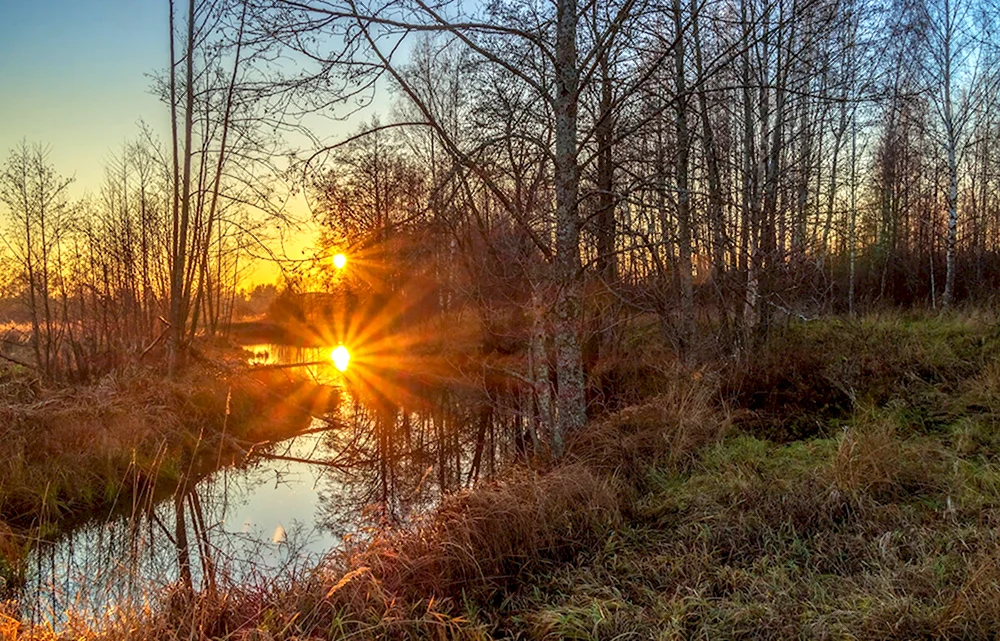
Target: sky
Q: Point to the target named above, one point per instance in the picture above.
(74, 76)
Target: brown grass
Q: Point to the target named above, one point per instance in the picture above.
(666, 521)
(481, 539)
(762, 543)
(873, 459)
(668, 429)
(869, 459)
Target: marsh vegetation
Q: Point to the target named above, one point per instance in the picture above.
(630, 319)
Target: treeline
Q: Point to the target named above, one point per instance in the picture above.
(153, 255)
(762, 155)
(715, 164)
(565, 166)
(91, 277)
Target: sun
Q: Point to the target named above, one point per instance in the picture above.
(340, 357)
(339, 261)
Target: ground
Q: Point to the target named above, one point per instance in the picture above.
(880, 524)
(841, 482)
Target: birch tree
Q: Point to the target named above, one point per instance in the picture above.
(950, 50)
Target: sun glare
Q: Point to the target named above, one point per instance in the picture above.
(341, 357)
(339, 261)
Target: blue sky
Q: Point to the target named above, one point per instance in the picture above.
(73, 75)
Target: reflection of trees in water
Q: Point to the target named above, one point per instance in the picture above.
(178, 544)
(375, 463)
(395, 462)
(278, 354)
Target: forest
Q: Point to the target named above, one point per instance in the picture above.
(653, 319)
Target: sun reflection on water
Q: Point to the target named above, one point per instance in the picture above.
(340, 357)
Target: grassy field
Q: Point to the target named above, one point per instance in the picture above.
(843, 482)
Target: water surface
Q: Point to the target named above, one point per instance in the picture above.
(373, 461)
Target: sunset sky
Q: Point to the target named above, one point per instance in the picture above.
(75, 76)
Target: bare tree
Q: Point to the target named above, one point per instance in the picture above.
(950, 47)
(36, 227)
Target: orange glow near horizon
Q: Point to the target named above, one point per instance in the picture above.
(386, 358)
(368, 353)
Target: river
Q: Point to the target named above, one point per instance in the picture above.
(372, 462)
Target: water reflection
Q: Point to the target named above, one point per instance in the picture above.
(396, 461)
(373, 461)
(219, 528)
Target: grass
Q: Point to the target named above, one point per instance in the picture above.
(844, 484)
(879, 524)
(799, 540)
(810, 373)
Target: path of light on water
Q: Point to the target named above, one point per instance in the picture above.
(341, 357)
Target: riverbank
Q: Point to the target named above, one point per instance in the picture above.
(842, 483)
(75, 453)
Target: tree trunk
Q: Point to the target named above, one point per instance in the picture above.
(177, 306)
(715, 199)
(681, 175)
(606, 260)
(570, 401)
(949, 276)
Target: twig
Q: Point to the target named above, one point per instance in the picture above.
(153, 344)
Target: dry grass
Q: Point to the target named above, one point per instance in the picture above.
(480, 540)
(762, 543)
(873, 459)
(668, 522)
(881, 525)
(666, 429)
(869, 459)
